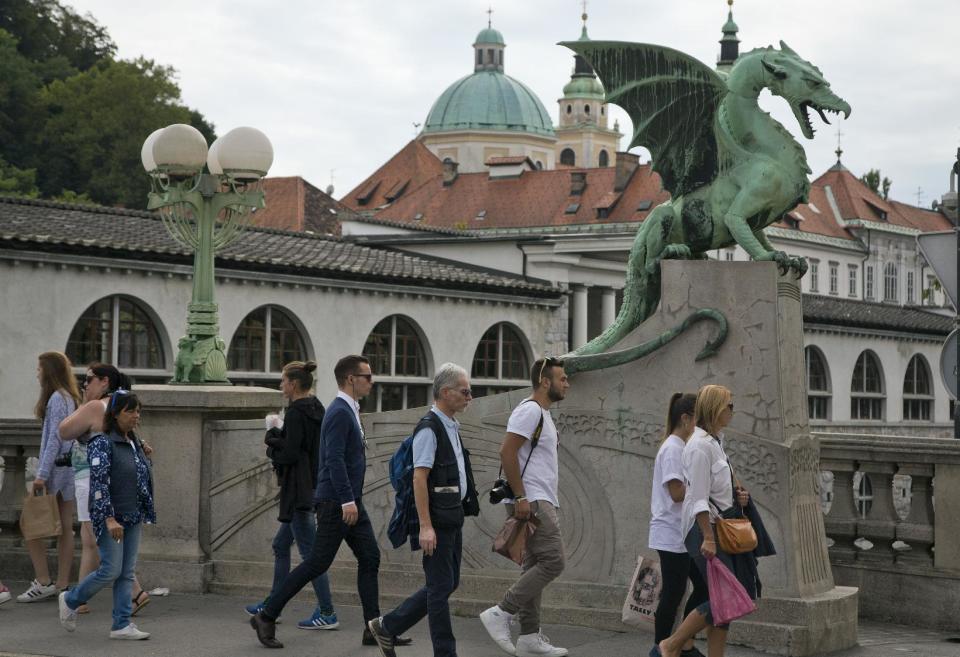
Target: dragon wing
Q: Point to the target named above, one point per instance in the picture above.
(671, 99)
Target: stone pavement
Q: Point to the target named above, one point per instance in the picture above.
(216, 625)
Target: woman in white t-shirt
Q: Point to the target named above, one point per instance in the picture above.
(666, 530)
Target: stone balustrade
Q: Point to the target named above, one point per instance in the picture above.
(19, 440)
(891, 535)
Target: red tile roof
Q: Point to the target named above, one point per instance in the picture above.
(295, 204)
(543, 198)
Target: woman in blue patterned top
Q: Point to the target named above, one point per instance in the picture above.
(121, 501)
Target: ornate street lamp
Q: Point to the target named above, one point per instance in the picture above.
(205, 212)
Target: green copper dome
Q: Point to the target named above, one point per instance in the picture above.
(583, 86)
(488, 100)
(488, 35)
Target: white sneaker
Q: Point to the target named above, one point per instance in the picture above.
(537, 645)
(130, 633)
(5, 596)
(38, 592)
(497, 624)
(68, 616)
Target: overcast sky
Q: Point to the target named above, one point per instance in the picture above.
(338, 85)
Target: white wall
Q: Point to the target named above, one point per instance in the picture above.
(337, 316)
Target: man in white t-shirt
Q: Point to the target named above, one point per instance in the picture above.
(529, 456)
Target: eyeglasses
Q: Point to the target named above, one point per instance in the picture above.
(368, 377)
(466, 392)
(89, 378)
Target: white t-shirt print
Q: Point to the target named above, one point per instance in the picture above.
(541, 478)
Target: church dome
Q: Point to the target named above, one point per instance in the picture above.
(488, 100)
(488, 35)
(583, 86)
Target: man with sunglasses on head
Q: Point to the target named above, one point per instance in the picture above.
(529, 456)
(444, 493)
(340, 513)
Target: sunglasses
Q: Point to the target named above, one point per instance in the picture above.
(548, 361)
(115, 396)
(368, 377)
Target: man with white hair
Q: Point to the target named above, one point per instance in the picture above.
(444, 493)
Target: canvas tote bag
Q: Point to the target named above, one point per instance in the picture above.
(643, 593)
(40, 517)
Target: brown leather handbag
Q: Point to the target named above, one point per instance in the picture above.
(735, 535)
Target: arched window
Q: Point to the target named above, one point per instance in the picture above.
(891, 282)
(118, 331)
(539, 165)
(602, 110)
(398, 359)
(501, 359)
(604, 158)
(586, 110)
(569, 109)
(568, 157)
(818, 384)
(267, 331)
(866, 389)
(917, 390)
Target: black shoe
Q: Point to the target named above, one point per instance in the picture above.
(266, 630)
(691, 652)
(398, 641)
(383, 640)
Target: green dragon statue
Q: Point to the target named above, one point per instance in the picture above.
(730, 168)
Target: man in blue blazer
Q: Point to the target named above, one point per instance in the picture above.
(338, 499)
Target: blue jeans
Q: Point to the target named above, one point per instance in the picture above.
(442, 571)
(117, 564)
(300, 529)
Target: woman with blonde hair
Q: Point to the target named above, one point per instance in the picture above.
(710, 494)
(59, 397)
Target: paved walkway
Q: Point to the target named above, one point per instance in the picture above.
(215, 625)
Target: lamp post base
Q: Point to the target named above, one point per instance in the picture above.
(201, 359)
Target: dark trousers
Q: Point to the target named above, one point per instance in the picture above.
(331, 532)
(675, 569)
(442, 570)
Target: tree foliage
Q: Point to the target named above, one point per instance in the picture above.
(72, 116)
(880, 186)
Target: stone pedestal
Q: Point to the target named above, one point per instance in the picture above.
(176, 421)
(610, 429)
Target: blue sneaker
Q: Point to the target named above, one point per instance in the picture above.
(319, 621)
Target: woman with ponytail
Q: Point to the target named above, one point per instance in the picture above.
(294, 449)
(666, 523)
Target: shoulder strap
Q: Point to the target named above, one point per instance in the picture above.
(534, 440)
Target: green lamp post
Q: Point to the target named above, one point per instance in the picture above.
(205, 212)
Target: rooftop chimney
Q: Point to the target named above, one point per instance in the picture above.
(449, 172)
(949, 201)
(627, 163)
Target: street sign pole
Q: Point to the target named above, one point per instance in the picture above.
(956, 307)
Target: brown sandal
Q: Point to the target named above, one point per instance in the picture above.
(140, 601)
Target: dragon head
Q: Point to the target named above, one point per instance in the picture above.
(802, 85)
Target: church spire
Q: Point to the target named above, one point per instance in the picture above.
(729, 44)
(583, 17)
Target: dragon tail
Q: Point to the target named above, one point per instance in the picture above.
(584, 362)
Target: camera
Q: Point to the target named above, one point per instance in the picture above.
(63, 460)
(501, 491)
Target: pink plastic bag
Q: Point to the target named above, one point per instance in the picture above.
(728, 599)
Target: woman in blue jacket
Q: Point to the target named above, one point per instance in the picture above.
(121, 502)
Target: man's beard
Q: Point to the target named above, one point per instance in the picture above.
(555, 395)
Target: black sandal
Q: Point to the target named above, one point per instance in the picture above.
(140, 601)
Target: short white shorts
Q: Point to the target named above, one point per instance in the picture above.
(82, 489)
